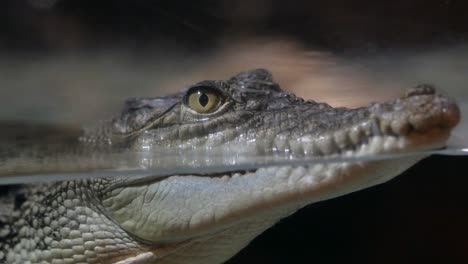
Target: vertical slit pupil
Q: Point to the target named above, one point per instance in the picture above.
(203, 99)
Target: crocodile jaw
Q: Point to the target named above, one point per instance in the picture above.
(194, 219)
(215, 230)
(212, 218)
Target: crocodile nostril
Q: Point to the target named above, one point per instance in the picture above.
(422, 89)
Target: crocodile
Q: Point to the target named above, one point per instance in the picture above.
(209, 217)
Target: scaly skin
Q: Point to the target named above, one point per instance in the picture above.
(209, 218)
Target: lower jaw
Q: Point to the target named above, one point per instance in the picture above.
(318, 182)
(322, 181)
(349, 177)
(366, 173)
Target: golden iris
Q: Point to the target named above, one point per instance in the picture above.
(204, 101)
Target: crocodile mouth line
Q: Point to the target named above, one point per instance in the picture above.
(378, 144)
(368, 137)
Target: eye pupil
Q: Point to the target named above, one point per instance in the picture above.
(203, 99)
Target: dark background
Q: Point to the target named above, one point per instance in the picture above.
(420, 217)
(339, 25)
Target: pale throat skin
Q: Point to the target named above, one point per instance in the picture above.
(209, 218)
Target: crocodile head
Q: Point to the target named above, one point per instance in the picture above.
(208, 218)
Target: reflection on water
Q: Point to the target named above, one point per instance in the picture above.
(136, 165)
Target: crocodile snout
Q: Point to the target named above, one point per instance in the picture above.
(422, 109)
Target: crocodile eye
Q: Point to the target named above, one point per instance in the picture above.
(204, 99)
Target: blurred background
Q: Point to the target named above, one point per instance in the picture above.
(59, 55)
(73, 62)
